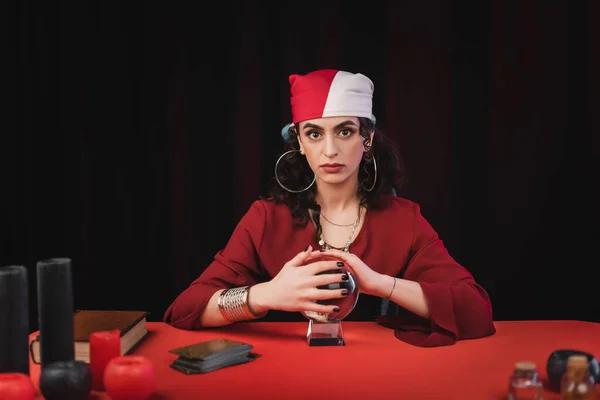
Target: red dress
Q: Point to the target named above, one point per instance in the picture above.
(395, 240)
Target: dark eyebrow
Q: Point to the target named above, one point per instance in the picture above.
(338, 126)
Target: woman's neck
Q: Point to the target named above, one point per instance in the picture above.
(338, 198)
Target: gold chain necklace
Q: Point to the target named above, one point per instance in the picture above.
(341, 225)
(326, 246)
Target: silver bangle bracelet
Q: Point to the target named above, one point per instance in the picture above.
(233, 304)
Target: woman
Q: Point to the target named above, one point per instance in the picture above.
(334, 196)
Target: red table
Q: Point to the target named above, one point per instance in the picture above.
(373, 364)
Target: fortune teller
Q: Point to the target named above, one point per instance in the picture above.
(335, 193)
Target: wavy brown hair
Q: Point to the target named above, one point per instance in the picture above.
(295, 173)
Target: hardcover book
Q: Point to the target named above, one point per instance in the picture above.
(132, 325)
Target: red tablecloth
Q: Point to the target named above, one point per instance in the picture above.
(372, 365)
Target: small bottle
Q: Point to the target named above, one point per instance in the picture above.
(577, 383)
(525, 384)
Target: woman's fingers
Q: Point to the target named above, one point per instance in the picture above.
(320, 255)
(329, 294)
(323, 266)
(301, 258)
(320, 308)
(347, 258)
(328, 279)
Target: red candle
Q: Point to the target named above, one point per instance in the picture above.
(16, 386)
(104, 346)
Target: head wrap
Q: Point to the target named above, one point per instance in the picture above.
(329, 93)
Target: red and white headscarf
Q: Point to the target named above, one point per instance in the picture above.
(329, 93)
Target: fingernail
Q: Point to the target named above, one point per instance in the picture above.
(307, 247)
(336, 309)
(339, 264)
(345, 292)
(345, 277)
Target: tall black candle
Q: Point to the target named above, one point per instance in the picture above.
(14, 319)
(55, 310)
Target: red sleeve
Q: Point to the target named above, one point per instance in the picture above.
(460, 308)
(235, 265)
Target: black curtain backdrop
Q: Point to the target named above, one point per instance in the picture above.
(139, 134)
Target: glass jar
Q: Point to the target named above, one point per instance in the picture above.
(577, 383)
(525, 384)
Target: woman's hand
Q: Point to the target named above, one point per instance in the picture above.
(369, 281)
(295, 288)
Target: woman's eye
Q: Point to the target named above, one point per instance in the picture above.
(314, 134)
(345, 132)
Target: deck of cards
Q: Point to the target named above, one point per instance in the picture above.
(211, 355)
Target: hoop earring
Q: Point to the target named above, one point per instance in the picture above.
(374, 179)
(281, 184)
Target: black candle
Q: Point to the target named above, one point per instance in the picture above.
(14, 320)
(55, 310)
(66, 380)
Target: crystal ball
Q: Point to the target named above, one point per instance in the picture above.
(346, 304)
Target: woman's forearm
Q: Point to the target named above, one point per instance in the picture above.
(211, 316)
(407, 294)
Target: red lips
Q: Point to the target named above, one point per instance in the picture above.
(332, 168)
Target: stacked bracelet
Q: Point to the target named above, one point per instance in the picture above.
(233, 304)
